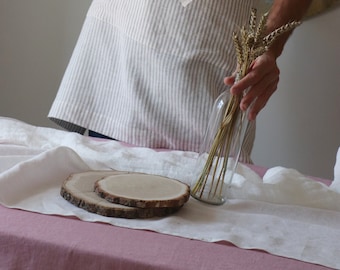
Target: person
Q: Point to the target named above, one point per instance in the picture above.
(147, 72)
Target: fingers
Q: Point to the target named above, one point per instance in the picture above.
(257, 86)
(263, 88)
(260, 102)
(229, 80)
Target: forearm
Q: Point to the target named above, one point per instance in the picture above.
(282, 12)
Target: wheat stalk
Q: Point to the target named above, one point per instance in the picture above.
(249, 43)
(269, 39)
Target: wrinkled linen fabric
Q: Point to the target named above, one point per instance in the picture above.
(336, 183)
(285, 213)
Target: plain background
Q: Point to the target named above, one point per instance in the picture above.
(299, 128)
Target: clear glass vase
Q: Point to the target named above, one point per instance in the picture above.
(220, 150)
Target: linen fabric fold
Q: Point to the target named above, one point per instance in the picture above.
(336, 183)
(285, 213)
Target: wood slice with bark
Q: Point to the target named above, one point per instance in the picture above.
(78, 189)
(143, 190)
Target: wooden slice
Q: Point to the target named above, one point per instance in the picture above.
(78, 189)
(142, 190)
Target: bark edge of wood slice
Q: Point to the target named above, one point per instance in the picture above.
(78, 189)
(143, 190)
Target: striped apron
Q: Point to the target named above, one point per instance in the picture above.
(147, 72)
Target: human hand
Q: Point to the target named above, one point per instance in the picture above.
(262, 80)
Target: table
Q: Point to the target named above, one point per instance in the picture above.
(35, 241)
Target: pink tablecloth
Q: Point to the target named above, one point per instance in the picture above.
(35, 241)
(284, 213)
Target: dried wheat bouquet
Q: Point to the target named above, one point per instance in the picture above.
(250, 42)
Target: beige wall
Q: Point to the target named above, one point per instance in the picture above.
(299, 128)
(36, 40)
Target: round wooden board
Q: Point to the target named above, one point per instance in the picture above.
(143, 190)
(78, 189)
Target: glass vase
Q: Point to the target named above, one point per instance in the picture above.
(220, 150)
